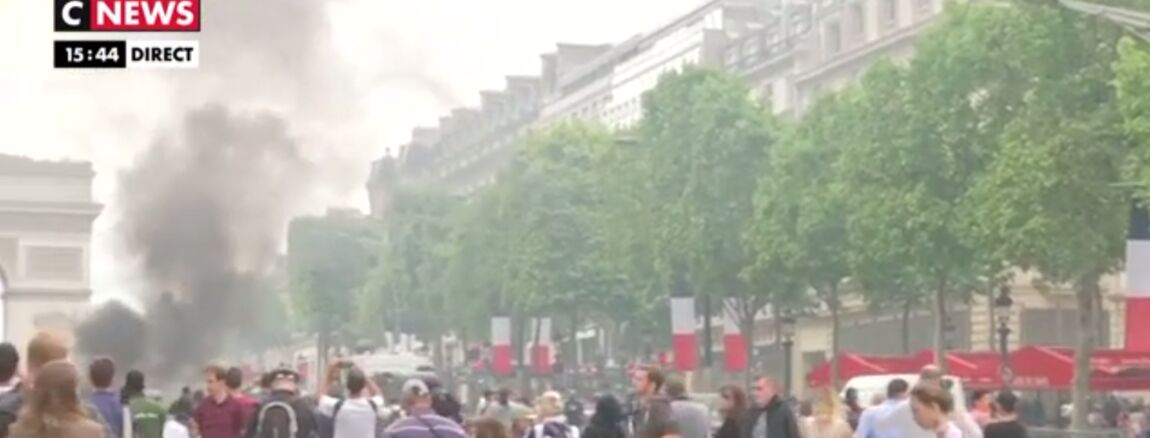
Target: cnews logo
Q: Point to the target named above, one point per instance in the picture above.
(127, 15)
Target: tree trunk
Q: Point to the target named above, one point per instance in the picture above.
(707, 369)
(322, 343)
(575, 359)
(747, 326)
(1086, 293)
(907, 306)
(437, 356)
(835, 307)
(941, 320)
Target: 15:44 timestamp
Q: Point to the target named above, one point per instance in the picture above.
(90, 54)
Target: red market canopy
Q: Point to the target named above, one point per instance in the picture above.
(1033, 368)
(853, 365)
(1053, 368)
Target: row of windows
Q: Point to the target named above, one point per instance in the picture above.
(887, 17)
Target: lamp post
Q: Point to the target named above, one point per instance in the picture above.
(1002, 304)
(787, 325)
(949, 332)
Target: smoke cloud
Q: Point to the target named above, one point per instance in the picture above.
(271, 123)
(203, 210)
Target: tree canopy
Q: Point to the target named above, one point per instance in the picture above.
(1008, 143)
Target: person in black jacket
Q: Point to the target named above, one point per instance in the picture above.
(734, 411)
(285, 389)
(608, 419)
(771, 417)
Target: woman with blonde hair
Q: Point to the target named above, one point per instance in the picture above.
(53, 408)
(828, 417)
(551, 423)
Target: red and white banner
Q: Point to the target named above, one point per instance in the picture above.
(734, 342)
(683, 339)
(501, 346)
(1138, 281)
(541, 347)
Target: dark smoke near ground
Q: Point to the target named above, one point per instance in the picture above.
(104, 333)
(204, 209)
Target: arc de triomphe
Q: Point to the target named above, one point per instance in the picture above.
(46, 215)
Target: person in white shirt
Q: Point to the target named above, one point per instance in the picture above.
(898, 422)
(360, 414)
(174, 428)
(932, 406)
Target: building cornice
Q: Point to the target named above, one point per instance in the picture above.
(13, 165)
(71, 208)
(21, 293)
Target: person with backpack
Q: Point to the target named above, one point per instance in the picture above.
(147, 416)
(552, 423)
(283, 414)
(358, 415)
(421, 420)
(43, 348)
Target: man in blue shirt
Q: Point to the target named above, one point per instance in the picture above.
(106, 400)
(895, 394)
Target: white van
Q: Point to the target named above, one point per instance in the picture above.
(868, 386)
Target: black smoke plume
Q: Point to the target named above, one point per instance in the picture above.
(204, 210)
(105, 333)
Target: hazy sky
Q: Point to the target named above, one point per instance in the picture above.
(468, 45)
(410, 61)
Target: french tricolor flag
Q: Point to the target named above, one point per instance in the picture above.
(734, 342)
(541, 349)
(683, 340)
(1138, 281)
(501, 346)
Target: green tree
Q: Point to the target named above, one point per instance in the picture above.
(1048, 202)
(800, 207)
(913, 178)
(561, 268)
(404, 292)
(1133, 87)
(626, 221)
(328, 261)
(707, 142)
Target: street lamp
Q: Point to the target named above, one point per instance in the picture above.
(1002, 304)
(787, 325)
(949, 331)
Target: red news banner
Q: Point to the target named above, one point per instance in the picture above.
(127, 15)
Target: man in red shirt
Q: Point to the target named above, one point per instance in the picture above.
(235, 382)
(219, 415)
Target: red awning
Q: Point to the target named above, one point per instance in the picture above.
(1034, 368)
(852, 365)
(976, 369)
(1053, 368)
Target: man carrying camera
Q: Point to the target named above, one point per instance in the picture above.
(358, 414)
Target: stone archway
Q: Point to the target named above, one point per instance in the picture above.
(46, 215)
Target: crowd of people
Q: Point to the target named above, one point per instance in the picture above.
(662, 408)
(48, 401)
